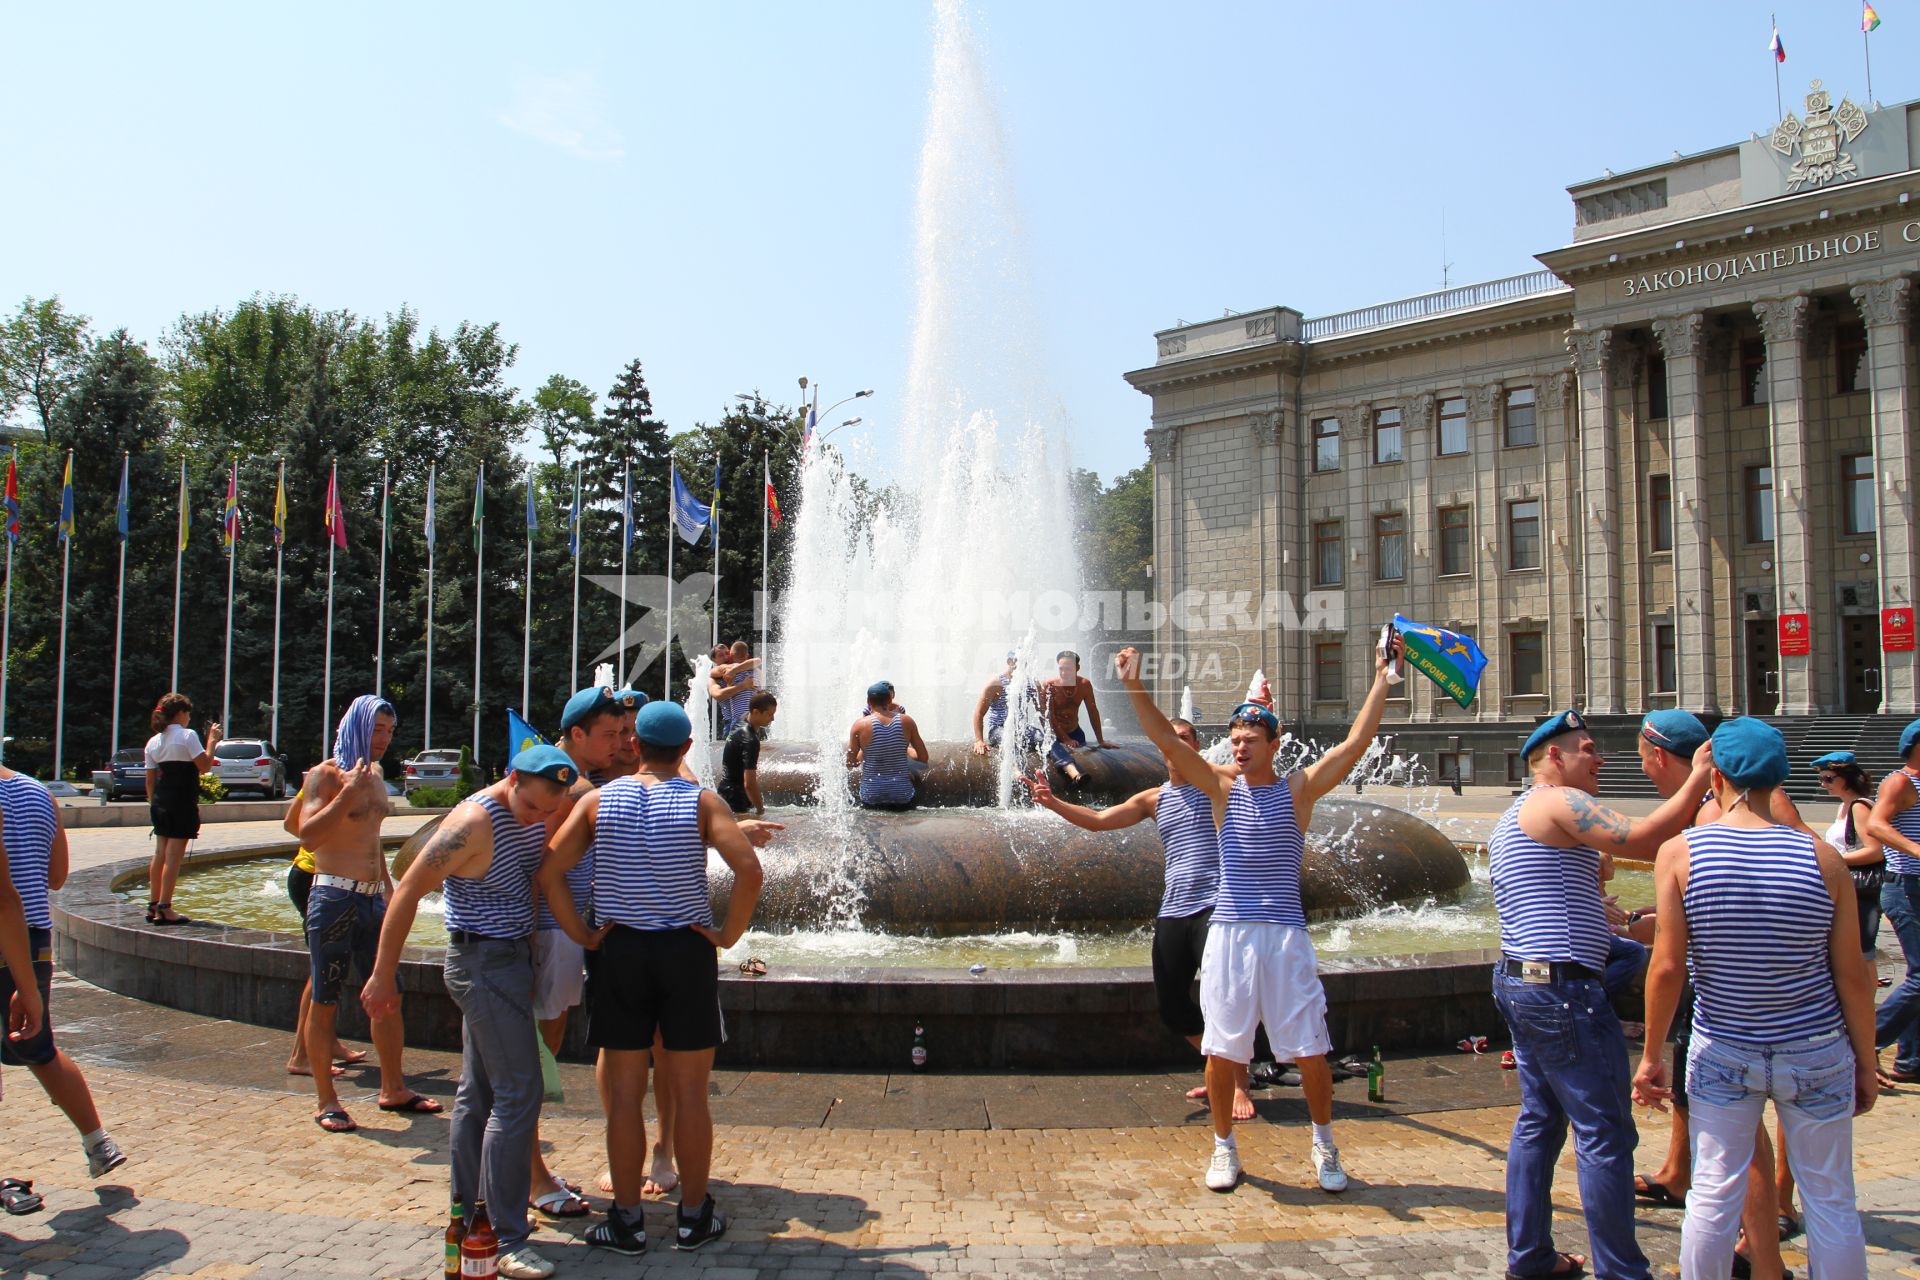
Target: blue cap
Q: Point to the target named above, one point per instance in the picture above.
(1254, 713)
(1567, 721)
(549, 762)
(1750, 752)
(880, 691)
(1908, 737)
(1836, 760)
(663, 724)
(591, 702)
(1674, 730)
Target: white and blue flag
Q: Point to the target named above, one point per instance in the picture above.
(690, 515)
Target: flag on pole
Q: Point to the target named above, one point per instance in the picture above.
(806, 437)
(716, 483)
(1869, 20)
(13, 499)
(521, 735)
(386, 491)
(122, 507)
(336, 517)
(230, 514)
(279, 508)
(627, 530)
(429, 521)
(1776, 47)
(573, 520)
(1449, 659)
(773, 502)
(690, 515)
(533, 514)
(479, 504)
(186, 512)
(66, 501)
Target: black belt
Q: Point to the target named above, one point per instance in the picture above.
(1562, 969)
(467, 938)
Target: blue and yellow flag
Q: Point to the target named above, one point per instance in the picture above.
(280, 508)
(521, 735)
(66, 501)
(1448, 658)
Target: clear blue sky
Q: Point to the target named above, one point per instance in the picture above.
(725, 190)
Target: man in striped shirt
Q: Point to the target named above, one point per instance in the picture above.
(1569, 1049)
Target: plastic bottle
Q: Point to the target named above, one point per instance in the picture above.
(919, 1046)
(456, 1232)
(480, 1250)
(1376, 1078)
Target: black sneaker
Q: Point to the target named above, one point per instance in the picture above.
(616, 1234)
(708, 1224)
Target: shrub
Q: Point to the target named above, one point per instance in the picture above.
(470, 779)
(212, 790)
(434, 797)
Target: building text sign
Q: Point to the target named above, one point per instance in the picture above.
(1796, 635)
(1740, 266)
(1896, 630)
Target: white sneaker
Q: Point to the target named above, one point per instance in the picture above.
(1223, 1171)
(1326, 1162)
(524, 1264)
(104, 1157)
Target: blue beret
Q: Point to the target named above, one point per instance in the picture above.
(1254, 713)
(549, 762)
(1836, 759)
(1552, 727)
(621, 696)
(1673, 730)
(880, 691)
(1908, 737)
(663, 724)
(591, 702)
(1750, 752)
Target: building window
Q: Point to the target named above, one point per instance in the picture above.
(1660, 512)
(1327, 552)
(1656, 385)
(1453, 425)
(1456, 540)
(1390, 547)
(1523, 534)
(1520, 420)
(1329, 672)
(1665, 669)
(1386, 435)
(1856, 479)
(1753, 372)
(1517, 768)
(1326, 444)
(1850, 358)
(1759, 504)
(1526, 667)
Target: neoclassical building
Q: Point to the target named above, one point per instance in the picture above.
(1674, 468)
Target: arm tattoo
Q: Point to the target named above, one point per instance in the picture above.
(446, 844)
(1590, 817)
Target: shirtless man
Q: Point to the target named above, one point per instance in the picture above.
(1061, 697)
(346, 801)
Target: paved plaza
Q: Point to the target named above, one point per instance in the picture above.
(823, 1174)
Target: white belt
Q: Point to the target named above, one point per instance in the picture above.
(372, 888)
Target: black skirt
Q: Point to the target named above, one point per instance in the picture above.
(175, 807)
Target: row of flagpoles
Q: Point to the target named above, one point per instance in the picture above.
(687, 515)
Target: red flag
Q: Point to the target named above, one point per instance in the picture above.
(13, 501)
(336, 517)
(773, 505)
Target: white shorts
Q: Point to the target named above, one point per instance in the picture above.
(1261, 973)
(559, 973)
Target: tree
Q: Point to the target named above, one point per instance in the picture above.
(563, 410)
(43, 348)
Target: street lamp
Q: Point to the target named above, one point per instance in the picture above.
(850, 422)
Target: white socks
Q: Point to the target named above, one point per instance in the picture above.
(1323, 1134)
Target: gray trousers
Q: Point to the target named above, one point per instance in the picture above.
(498, 1105)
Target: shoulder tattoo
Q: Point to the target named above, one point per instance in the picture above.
(444, 846)
(1590, 817)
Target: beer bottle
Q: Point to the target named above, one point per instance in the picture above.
(1376, 1078)
(480, 1250)
(456, 1232)
(919, 1046)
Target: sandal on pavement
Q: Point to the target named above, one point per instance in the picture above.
(419, 1104)
(160, 910)
(1645, 1188)
(1567, 1266)
(1743, 1268)
(562, 1204)
(18, 1196)
(1790, 1226)
(754, 967)
(335, 1120)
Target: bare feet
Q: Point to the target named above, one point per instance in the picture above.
(663, 1179)
(351, 1057)
(1242, 1104)
(302, 1069)
(605, 1182)
(1197, 1095)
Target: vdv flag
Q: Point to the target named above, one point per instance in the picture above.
(13, 498)
(1449, 659)
(521, 735)
(66, 501)
(533, 514)
(122, 509)
(690, 515)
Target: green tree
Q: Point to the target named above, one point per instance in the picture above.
(563, 411)
(43, 348)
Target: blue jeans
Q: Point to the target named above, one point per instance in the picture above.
(1571, 1057)
(497, 1108)
(1898, 1019)
(1059, 755)
(1625, 959)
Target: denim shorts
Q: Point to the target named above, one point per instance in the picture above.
(37, 1050)
(343, 935)
(1812, 1076)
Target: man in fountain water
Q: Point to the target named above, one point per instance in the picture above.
(731, 683)
(886, 744)
(656, 973)
(1570, 1052)
(991, 711)
(1061, 697)
(739, 782)
(1259, 966)
(1184, 815)
(346, 801)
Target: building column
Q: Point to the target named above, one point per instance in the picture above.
(1783, 322)
(1357, 573)
(1887, 307)
(1550, 399)
(1597, 518)
(1418, 448)
(1163, 447)
(1484, 402)
(1680, 341)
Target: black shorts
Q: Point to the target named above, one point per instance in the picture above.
(299, 885)
(39, 1050)
(1178, 942)
(665, 980)
(1681, 1033)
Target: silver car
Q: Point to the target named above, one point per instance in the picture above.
(434, 767)
(251, 764)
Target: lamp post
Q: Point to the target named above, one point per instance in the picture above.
(850, 422)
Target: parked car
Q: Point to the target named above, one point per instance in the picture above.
(434, 767)
(251, 764)
(129, 770)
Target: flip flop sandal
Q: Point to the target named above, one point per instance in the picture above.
(754, 967)
(19, 1197)
(1569, 1267)
(342, 1122)
(562, 1204)
(1645, 1188)
(1790, 1226)
(419, 1104)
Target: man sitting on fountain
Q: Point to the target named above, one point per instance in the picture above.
(1569, 1049)
(1259, 966)
(1061, 697)
(656, 973)
(886, 744)
(1184, 816)
(990, 713)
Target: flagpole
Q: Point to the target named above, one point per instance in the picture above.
(119, 618)
(666, 658)
(479, 613)
(426, 722)
(60, 686)
(380, 623)
(526, 633)
(626, 537)
(179, 550)
(1866, 51)
(229, 532)
(6, 613)
(766, 599)
(573, 650)
(333, 538)
(1779, 111)
(715, 517)
(279, 567)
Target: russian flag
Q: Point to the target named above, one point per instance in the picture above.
(1777, 49)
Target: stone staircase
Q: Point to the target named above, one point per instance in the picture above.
(1874, 739)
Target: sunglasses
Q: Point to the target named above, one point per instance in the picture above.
(1829, 777)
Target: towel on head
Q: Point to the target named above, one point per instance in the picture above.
(353, 740)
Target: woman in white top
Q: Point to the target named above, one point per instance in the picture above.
(175, 760)
(1842, 778)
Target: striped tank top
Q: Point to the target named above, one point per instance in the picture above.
(499, 904)
(29, 827)
(883, 766)
(1907, 823)
(1759, 920)
(579, 884)
(997, 709)
(1260, 851)
(1548, 898)
(1187, 835)
(733, 707)
(650, 864)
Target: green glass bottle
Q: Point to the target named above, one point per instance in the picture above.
(1376, 1078)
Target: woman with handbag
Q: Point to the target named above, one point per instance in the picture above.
(1844, 780)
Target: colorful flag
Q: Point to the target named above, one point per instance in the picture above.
(533, 514)
(806, 437)
(1448, 658)
(280, 507)
(431, 470)
(123, 509)
(1869, 20)
(1775, 47)
(230, 514)
(186, 512)
(336, 517)
(479, 505)
(690, 515)
(773, 502)
(573, 521)
(521, 735)
(386, 490)
(66, 501)
(627, 531)
(13, 496)
(716, 482)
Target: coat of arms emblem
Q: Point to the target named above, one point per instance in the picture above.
(1819, 139)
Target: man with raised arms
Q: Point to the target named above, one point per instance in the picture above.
(1259, 965)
